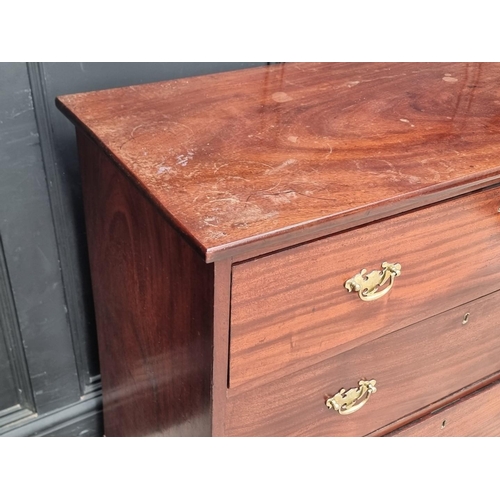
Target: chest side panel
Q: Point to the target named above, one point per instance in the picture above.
(153, 296)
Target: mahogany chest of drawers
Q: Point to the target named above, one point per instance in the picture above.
(299, 249)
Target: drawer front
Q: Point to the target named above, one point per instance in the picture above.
(477, 415)
(413, 367)
(292, 306)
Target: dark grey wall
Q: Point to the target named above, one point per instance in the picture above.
(49, 369)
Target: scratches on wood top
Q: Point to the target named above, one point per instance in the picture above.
(238, 155)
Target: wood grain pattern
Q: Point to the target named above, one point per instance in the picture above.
(186, 181)
(437, 405)
(243, 160)
(291, 306)
(154, 307)
(477, 415)
(222, 307)
(413, 367)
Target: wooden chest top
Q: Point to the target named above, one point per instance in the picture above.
(285, 153)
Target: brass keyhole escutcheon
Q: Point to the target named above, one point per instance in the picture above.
(465, 320)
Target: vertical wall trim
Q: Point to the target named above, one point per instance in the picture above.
(13, 340)
(62, 227)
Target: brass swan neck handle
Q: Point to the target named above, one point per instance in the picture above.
(368, 285)
(347, 402)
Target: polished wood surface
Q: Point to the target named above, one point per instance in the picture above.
(436, 406)
(291, 307)
(248, 161)
(154, 306)
(478, 415)
(413, 367)
(222, 306)
(226, 212)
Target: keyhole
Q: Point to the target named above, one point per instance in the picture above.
(466, 318)
(443, 424)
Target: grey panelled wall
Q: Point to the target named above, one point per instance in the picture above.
(49, 370)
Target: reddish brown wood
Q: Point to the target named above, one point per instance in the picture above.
(222, 303)
(154, 306)
(303, 234)
(334, 167)
(413, 367)
(436, 405)
(254, 160)
(476, 415)
(292, 305)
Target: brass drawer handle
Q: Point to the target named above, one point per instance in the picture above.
(368, 285)
(347, 402)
